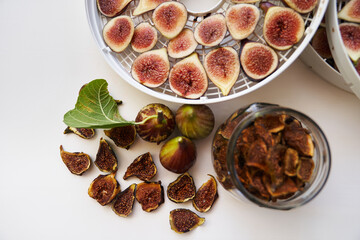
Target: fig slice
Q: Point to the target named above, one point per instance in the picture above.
(241, 20)
(142, 167)
(350, 33)
(124, 201)
(211, 30)
(182, 45)
(183, 220)
(150, 195)
(188, 78)
(283, 27)
(297, 137)
(291, 160)
(305, 169)
(245, 1)
(206, 195)
(123, 137)
(76, 162)
(223, 67)
(170, 18)
(145, 38)
(302, 6)
(147, 5)
(320, 43)
(118, 32)
(105, 158)
(104, 188)
(151, 68)
(258, 60)
(85, 133)
(182, 189)
(111, 8)
(351, 11)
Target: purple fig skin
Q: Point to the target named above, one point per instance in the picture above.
(159, 122)
(178, 154)
(265, 6)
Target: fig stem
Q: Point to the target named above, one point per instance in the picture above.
(160, 117)
(265, 6)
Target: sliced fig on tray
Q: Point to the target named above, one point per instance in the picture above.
(170, 18)
(351, 11)
(111, 8)
(223, 67)
(118, 32)
(151, 68)
(147, 5)
(188, 78)
(245, 1)
(350, 33)
(145, 38)
(320, 43)
(241, 20)
(301, 6)
(211, 31)
(182, 45)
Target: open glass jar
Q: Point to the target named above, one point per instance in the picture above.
(269, 180)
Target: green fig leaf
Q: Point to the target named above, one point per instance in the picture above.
(95, 108)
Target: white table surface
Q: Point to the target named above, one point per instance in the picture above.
(47, 53)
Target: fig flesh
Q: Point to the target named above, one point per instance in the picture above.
(350, 33)
(305, 169)
(104, 188)
(283, 27)
(206, 195)
(111, 8)
(299, 139)
(351, 11)
(170, 18)
(320, 43)
(123, 137)
(105, 158)
(211, 31)
(147, 5)
(195, 121)
(182, 45)
(183, 220)
(188, 78)
(118, 32)
(142, 167)
(76, 162)
(302, 6)
(124, 201)
(241, 20)
(151, 68)
(258, 60)
(145, 38)
(158, 122)
(150, 195)
(85, 133)
(178, 154)
(182, 189)
(223, 67)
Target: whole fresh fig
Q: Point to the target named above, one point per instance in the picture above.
(157, 122)
(195, 121)
(178, 154)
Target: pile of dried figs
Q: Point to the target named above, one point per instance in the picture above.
(283, 27)
(156, 122)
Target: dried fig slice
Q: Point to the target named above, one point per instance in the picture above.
(297, 137)
(151, 68)
(147, 5)
(104, 188)
(223, 67)
(142, 167)
(302, 6)
(286, 188)
(123, 137)
(111, 8)
(351, 11)
(182, 45)
(76, 162)
(145, 38)
(283, 27)
(188, 78)
(256, 154)
(256, 184)
(183, 220)
(272, 123)
(291, 160)
(124, 201)
(206, 195)
(241, 20)
(182, 189)
(150, 195)
(106, 159)
(258, 60)
(211, 31)
(350, 33)
(305, 169)
(274, 162)
(170, 18)
(85, 133)
(118, 32)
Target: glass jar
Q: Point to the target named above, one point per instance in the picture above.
(224, 150)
